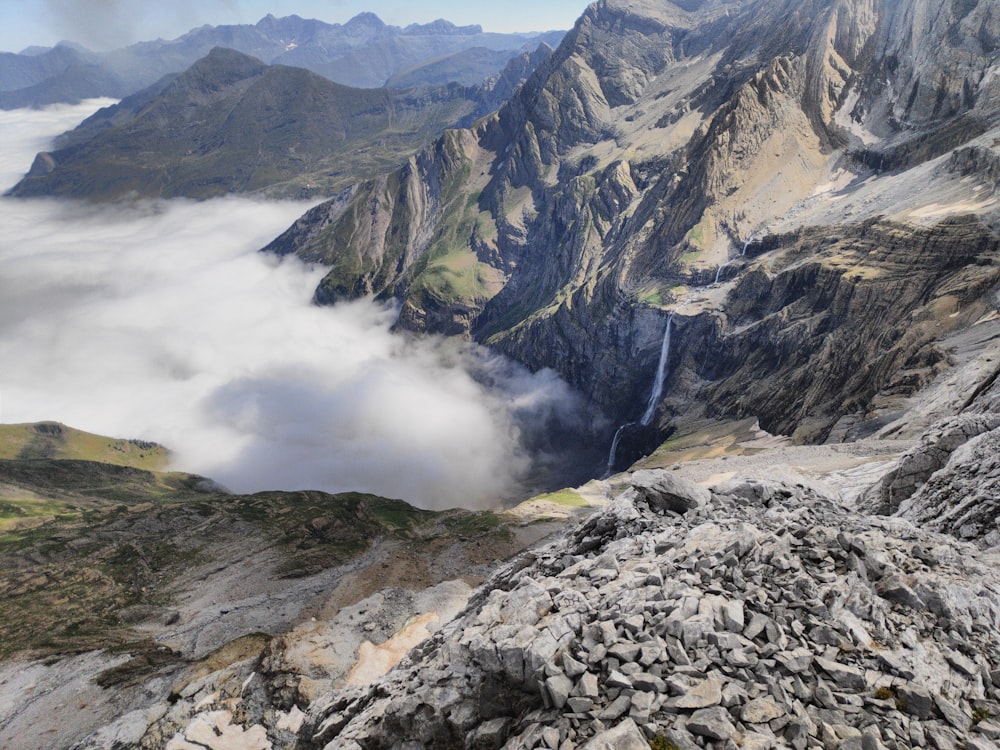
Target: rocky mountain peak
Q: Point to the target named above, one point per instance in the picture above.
(222, 67)
(366, 22)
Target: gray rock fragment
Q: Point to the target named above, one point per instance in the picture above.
(713, 723)
(624, 736)
(664, 491)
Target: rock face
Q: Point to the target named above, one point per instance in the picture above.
(950, 480)
(786, 622)
(778, 175)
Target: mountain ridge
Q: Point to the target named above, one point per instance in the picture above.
(359, 53)
(230, 123)
(764, 238)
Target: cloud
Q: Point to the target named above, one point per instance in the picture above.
(160, 321)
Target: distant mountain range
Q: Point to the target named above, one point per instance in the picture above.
(364, 52)
(231, 124)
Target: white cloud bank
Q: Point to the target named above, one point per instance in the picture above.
(160, 321)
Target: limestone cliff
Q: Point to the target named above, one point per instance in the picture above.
(670, 157)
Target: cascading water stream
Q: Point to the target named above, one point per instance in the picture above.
(745, 246)
(654, 396)
(661, 376)
(614, 447)
(718, 272)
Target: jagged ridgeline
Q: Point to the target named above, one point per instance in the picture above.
(808, 186)
(364, 52)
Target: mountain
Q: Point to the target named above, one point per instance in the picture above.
(364, 52)
(63, 73)
(763, 236)
(468, 67)
(742, 597)
(231, 124)
(799, 192)
(758, 614)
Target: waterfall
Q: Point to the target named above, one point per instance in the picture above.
(718, 272)
(661, 376)
(745, 246)
(654, 396)
(614, 447)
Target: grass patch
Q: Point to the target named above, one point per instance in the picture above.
(565, 498)
(696, 236)
(651, 297)
(471, 524)
(659, 742)
(51, 440)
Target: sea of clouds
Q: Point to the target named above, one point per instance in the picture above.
(161, 321)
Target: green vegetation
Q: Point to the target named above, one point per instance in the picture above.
(980, 714)
(471, 524)
(697, 235)
(884, 693)
(566, 498)
(451, 272)
(54, 440)
(88, 549)
(651, 297)
(659, 742)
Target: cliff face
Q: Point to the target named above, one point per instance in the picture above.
(706, 159)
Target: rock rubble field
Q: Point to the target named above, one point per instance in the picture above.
(756, 614)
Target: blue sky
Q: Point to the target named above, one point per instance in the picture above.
(105, 24)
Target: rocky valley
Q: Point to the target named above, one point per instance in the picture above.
(762, 239)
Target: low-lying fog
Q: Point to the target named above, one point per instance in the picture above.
(161, 321)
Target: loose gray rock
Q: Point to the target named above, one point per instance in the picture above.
(664, 491)
(713, 723)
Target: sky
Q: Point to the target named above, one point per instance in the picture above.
(107, 24)
(161, 321)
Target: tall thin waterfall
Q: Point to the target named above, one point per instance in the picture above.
(718, 271)
(654, 396)
(745, 246)
(661, 375)
(614, 446)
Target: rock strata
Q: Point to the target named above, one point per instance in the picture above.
(765, 619)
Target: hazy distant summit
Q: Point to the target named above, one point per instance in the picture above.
(363, 52)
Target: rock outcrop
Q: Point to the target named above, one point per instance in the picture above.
(950, 481)
(768, 616)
